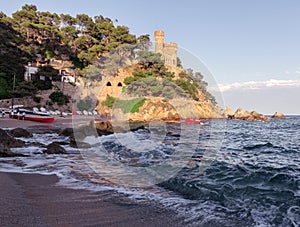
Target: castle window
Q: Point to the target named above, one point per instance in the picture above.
(108, 83)
(119, 84)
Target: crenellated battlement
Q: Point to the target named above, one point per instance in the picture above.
(158, 33)
(168, 50)
(171, 45)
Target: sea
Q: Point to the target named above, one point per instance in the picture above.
(220, 173)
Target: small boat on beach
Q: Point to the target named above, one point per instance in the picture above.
(193, 121)
(33, 117)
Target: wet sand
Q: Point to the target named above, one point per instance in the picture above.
(35, 200)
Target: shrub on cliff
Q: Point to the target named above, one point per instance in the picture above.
(130, 106)
(85, 104)
(59, 97)
(109, 102)
(127, 106)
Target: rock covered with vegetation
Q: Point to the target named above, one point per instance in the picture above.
(151, 90)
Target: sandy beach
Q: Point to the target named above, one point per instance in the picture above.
(14, 123)
(59, 122)
(35, 200)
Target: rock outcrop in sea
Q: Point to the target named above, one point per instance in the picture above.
(278, 115)
(241, 114)
(228, 112)
(54, 148)
(9, 141)
(20, 132)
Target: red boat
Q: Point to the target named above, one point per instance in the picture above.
(193, 121)
(33, 117)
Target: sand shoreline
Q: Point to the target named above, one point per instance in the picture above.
(59, 122)
(35, 200)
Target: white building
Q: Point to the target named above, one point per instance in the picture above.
(68, 78)
(30, 71)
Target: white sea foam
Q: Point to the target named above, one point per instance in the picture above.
(75, 172)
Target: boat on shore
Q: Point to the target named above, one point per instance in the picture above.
(31, 116)
(193, 121)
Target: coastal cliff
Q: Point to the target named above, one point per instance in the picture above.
(155, 108)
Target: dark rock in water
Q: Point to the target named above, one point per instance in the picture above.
(54, 148)
(35, 144)
(61, 142)
(67, 132)
(103, 132)
(79, 144)
(6, 152)
(142, 127)
(9, 141)
(20, 132)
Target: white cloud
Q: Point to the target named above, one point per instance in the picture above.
(255, 85)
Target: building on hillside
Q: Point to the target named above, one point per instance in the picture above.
(66, 72)
(30, 71)
(167, 50)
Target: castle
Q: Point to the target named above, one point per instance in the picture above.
(113, 86)
(167, 50)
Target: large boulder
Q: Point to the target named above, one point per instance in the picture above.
(79, 144)
(104, 128)
(9, 141)
(241, 114)
(6, 152)
(54, 148)
(67, 132)
(20, 132)
(278, 115)
(258, 117)
(228, 111)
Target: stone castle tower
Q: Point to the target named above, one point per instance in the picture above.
(168, 50)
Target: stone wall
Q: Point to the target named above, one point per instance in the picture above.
(44, 95)
(6, 103)
(113, 86)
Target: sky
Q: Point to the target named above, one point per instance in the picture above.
(250, 48)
